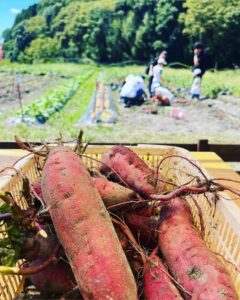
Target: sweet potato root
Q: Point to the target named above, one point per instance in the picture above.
(157, 283)
(85, 230)
(125, 166)
(197, 269)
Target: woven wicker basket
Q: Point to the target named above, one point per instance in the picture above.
(222, 225)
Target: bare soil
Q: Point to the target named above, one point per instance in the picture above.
(31, 88)
(214, 119)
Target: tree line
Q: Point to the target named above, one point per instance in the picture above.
(118, 30)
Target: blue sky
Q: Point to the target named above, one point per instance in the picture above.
(8, 11)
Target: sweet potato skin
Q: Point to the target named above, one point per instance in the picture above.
(39, 247)
(157, 284)
(198, 269)
(57, 278)
(143, 228)
(113, 194)
(85, 230)
(130, 170)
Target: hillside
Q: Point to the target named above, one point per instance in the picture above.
(120, 30)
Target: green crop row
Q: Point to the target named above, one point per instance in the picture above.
(55, 100)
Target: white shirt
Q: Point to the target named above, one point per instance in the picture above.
(157, 74)
(131, 86)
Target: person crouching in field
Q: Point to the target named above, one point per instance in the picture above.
(161, 95)
(133, 91)
(199, 68)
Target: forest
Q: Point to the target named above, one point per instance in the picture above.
(121, 30)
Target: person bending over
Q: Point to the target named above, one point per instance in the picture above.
(133, 91)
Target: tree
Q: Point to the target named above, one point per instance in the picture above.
(20, 40)
(217, 24)
(41, 50)
(36, 26)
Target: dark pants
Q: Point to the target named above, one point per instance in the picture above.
(138, 100)
(150, 85)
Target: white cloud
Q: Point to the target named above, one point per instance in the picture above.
(15, 11)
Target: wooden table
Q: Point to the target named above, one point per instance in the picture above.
(9, 156)
(216, 167)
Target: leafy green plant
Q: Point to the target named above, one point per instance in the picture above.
(11, 242)
(43, 108)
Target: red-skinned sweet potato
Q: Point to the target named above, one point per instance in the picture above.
(57, 278)
(144, 229)
(126, 167)
(85, 230)
(197, 269)
(38, 247)
(114, 194)
(157, 283)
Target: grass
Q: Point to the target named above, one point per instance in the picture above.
(213, 81)
(119, 134)
(38, 69)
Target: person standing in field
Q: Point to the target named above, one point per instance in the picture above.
(199, 68)
(149, 70)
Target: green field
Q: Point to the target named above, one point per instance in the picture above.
(63, 122)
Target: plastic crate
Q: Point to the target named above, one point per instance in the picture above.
(222, 225)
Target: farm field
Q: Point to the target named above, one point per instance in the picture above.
(58, 95)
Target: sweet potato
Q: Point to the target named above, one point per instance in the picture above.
(144, 229)
(122, 237)
(36, 186)
(57, 278)
(113, 194)
(85, 230)
(195, 267)
(125, 166)
(157, 283)
(37, 247)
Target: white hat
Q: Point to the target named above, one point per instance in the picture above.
(162, 61)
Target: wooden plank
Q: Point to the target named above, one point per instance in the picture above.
(206, 156)
(226, 152)
(202, 145)
(215, 165)
(9, 156)
(13, 152)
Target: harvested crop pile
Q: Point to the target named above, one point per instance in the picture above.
(83, 234)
